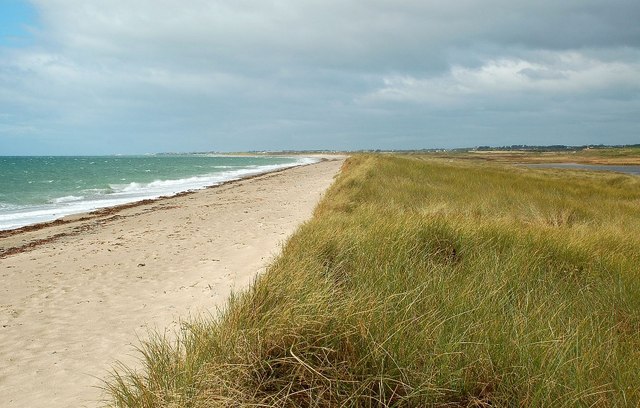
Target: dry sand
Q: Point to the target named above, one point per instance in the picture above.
(77, 296)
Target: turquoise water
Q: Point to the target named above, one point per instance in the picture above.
(37, 189)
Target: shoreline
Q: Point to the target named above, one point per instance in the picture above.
(113, 210)
(80, 293)
(97, 203)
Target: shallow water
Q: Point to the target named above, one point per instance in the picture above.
(635, 170)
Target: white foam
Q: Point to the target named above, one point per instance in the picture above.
(19, 216)
(67, 199)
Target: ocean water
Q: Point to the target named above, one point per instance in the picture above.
(39, 189)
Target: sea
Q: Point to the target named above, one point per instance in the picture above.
(40, 189)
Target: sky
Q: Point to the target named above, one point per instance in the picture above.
(146, 76)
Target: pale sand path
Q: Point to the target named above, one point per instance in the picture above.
(71, 307)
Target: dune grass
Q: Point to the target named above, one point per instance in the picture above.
(427, 282)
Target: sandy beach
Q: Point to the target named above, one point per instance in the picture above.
(76, 295)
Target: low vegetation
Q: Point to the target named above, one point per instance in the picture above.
(427, 282)
(602, 155)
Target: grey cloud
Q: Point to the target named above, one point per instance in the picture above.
(542, 73)
(184, 75)
(395, 34)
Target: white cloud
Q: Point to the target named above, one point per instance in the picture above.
(562, 74)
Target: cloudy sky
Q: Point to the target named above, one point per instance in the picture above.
(138, 76)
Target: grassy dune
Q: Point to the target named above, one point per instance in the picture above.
(427, 282)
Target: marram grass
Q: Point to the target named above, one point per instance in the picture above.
(426, 282)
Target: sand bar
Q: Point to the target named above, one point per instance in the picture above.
(75, 296)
